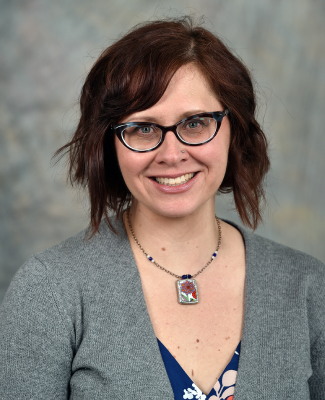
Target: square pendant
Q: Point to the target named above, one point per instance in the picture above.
(187, 291)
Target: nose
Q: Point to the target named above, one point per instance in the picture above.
(170, 151)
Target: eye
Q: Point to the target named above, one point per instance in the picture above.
(196, 124)
(142, 137)
(145, 129)
(193, 124)
(145, 132)
(140, 130)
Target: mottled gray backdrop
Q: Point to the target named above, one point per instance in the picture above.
(47, 47)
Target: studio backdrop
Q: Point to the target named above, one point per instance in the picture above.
(47, 48)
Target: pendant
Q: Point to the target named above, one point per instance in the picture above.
(187, 291)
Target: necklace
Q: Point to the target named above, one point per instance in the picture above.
(187, 292)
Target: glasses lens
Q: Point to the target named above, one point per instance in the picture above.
(197, 130)
(142, 137)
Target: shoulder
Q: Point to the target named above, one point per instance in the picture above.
(282, 274)
(289, 276)
(286, 282)
(268, 254)
(81, 254)
(283, 258)
(75, 266)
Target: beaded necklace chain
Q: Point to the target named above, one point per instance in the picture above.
(186, 285)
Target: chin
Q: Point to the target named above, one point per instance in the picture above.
(179, 210)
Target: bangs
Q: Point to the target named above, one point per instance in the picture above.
(136, 85)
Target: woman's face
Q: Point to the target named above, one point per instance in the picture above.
(187, 94)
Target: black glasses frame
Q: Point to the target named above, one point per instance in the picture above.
(217, 116)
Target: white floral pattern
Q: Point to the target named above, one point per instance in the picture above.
(190, 393)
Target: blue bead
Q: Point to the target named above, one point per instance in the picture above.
(214, 254)
(150, 258)
(184, 276)
(189, 276)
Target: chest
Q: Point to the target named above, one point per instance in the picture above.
(124, 358)
(202, 337)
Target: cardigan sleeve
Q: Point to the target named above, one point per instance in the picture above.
(36, 343)
(317, 380)
(316, 311)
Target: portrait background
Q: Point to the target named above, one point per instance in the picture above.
(48, 47)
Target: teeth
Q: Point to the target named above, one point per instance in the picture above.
(174, 182)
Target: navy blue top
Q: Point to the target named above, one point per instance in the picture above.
(183, 386)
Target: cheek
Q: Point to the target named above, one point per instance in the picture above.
(123, 160)
(124, 156)
(132, 165)
(220, 149)
(119, 149)
(126, 167)
(223, 142)
(217, 157)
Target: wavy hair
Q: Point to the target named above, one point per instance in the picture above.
(132, 75)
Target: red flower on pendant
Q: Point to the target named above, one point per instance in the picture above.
(188, 287)
(194, 294)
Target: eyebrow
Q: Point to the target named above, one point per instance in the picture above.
(155, 121)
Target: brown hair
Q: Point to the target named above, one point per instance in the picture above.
(132, 75)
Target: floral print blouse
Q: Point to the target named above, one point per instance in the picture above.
(183, 386)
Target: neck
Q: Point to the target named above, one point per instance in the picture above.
(182, 244)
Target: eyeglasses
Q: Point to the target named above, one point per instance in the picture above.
(192, 131)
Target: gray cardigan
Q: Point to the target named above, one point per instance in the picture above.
(74, 325)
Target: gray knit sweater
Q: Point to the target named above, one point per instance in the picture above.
(70, 329)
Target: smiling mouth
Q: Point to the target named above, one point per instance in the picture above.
(180, 180)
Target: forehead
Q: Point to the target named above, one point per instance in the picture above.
(189, 77)
(188, 93)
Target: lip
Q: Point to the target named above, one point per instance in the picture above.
(174, 189)
(173, 176)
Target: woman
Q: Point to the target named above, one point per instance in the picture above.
(163, 300)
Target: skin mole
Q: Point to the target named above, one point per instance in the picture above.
(163, 249)
(197, 340)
